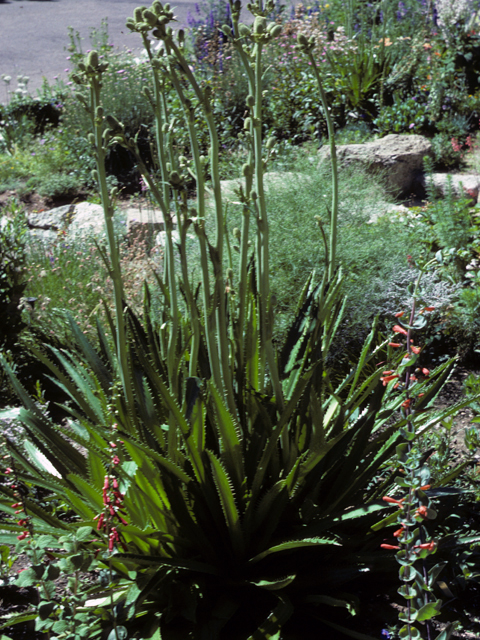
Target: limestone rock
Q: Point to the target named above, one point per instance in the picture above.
(463, 184)
(398, 156)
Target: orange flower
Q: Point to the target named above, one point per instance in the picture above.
(395, 345)
(422, 511)
(399, 314)
(407, 403)
(398, 329)
(393, 500)
(415, 349)
(389, 546)
(427, 45)
(399, 532)
(426, 372)
(385, 380)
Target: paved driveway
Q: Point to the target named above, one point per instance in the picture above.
(34, 33)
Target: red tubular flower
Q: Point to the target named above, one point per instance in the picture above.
(100, 522)
(115, 460)
(113, 445)
(425, 487)
(426, 372)
(8, 471)
(393, 500)
(422, 511)
(426, 545)
(415, 349)
(398, 329)
(407, 403)
(395, 345)
(399, 532)
(389, 546)
(385, 380)
(23, 535)
(399, 314)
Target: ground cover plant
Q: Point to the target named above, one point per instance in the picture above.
(221, 481)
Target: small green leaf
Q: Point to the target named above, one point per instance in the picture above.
(119, 633)
(407, 573)
(409, 633)
(274, 585)
(27, 578)
(45, 609)
(83, 533)
(429, 610)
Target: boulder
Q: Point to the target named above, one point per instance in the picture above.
(398, 156)
(462, 184)
(83, 219)
(144, 223)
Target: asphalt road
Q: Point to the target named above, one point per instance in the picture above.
(34, 33)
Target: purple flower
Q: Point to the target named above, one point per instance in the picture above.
(411, 126)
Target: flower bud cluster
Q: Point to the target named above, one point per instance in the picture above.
(23, 520)
(113, 511)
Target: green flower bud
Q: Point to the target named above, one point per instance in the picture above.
(77, 79)
(113, 124)
(276, 31)
(168, 166)
(244, 30)
(157, 7)
(166, 7)
(131, 24)
(82, 67)
(253, 195)
(250, 101)
(114, 192)
(270, 143)
(99, 112)
(91, 139)
(95, 175)
(247, 170)
(165, 128)
(181, 36)
(174, 178)
(247, 123)
(147, 93)
(150, 18)
(159, 33)
(230, 274)
(237, 234)
(227, 30)
(92, 59)
(203, 160)
(138, 14)
(302, 39)
(260, 25)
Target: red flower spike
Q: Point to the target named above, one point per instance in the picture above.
(389, 546)
(398, 329)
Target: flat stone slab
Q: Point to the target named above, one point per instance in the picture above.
(466, 184)
(143, 222)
